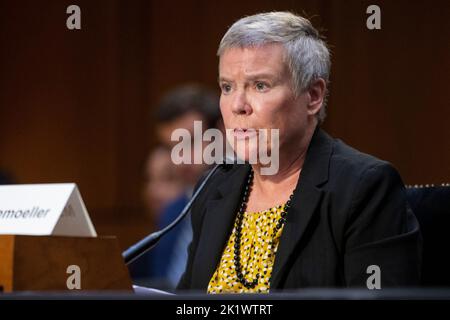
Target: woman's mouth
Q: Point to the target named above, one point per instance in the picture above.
(243, 133)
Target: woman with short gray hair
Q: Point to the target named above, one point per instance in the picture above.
(329, 214)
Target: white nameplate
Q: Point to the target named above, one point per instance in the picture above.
(44, 209)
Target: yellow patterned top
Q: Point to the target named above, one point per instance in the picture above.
(257, 253)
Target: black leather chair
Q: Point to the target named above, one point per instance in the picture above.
(431, 205)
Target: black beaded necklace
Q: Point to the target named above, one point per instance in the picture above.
(238, 233)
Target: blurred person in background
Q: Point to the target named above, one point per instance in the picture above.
(161, 184)
(163, 266)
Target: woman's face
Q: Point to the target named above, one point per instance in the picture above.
(257, 93)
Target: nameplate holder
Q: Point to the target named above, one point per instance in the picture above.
(44, 209)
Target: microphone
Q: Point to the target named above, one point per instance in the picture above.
(142, 246)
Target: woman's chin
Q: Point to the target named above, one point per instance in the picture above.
(247, 155)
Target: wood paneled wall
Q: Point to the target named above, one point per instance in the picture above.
(76, 105)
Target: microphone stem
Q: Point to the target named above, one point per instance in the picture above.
(142, 246)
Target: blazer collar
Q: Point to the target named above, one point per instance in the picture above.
(219, 219)
(317, 161)
(307, 196)
(220, 213)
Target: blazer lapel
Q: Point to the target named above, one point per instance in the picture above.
(306, 198)
(219, 217)
(221, 212)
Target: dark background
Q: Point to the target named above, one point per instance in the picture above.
(75, 106)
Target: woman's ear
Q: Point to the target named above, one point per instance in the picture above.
(316, 94)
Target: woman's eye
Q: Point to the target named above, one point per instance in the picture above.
(226, 88)
(261, 86)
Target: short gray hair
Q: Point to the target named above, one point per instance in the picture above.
(307, 54)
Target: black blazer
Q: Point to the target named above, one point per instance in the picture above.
(349, 211)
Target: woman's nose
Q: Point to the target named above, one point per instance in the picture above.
(240, 104)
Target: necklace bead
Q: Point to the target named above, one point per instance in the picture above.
(238, 234)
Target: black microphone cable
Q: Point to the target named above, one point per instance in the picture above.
(142, 246)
